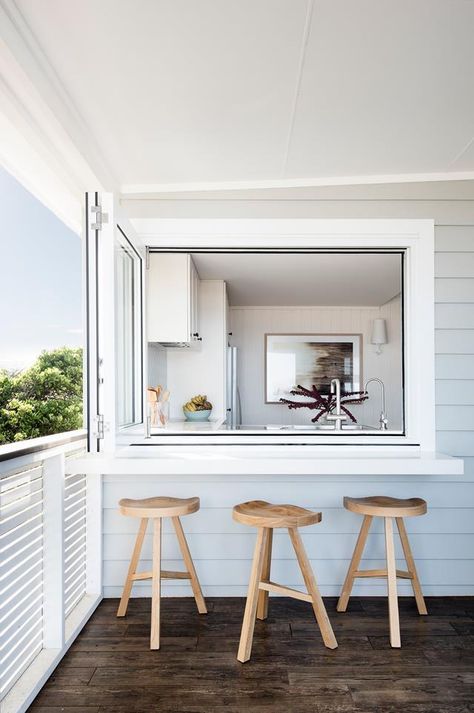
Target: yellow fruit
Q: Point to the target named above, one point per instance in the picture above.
(198, 403)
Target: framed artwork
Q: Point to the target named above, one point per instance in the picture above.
(307, 359)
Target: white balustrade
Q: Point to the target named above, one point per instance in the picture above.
(50, 560)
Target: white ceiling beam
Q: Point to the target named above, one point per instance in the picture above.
(153, 188)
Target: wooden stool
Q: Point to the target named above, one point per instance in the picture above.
(156, 509)
(266, 517)
(388, 508)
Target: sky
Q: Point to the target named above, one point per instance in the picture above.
(40, 278)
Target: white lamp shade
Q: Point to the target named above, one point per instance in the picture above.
(379, 332)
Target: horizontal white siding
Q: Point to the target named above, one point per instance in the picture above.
(454, 316)
(453, 365)
(442, 540)
(455, 341)
(456, 290)
(448, 240)
(451, 391)
(455, 265)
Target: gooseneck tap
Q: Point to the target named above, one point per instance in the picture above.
(383, 420)
(338, 417)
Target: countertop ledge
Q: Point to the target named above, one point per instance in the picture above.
(265, 461)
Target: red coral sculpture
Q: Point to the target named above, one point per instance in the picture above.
(324, 403)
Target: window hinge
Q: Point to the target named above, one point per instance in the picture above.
(100, 426)
(100, 378)
(100, 217)
(147, 258)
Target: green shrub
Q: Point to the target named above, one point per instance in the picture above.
(44, 399)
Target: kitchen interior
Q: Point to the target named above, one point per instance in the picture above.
(261, 342)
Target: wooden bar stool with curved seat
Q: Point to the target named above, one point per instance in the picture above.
(266, 517)
(156, 509)
(388, 508)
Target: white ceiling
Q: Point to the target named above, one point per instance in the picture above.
(184, 93)
(303, 279)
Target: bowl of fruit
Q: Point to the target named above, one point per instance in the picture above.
(197, 409)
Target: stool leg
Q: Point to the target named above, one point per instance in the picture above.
(156, 585)
(392, 584)
(248, 624)
(415, 582)
(188, 561)
(132, 568)
(310, 581)
(354, 565)
(262, 605)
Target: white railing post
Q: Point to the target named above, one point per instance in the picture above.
(94, 534)
(53, 534)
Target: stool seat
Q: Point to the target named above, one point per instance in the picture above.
(259, 513)
(383, 506)
(158, 507)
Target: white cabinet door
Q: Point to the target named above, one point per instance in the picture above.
(194, 302)
(173, 286)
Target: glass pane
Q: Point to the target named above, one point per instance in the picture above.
(41, 333)
(125, 337)
(314, 342)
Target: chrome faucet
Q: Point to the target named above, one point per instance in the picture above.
(337, 416)
(383, 420)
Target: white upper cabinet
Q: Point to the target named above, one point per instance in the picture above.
(173, 299)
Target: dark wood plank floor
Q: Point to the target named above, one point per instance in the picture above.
(110, 667)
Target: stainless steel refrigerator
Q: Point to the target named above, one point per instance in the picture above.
(234, 411)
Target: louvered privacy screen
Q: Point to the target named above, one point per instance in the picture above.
(74, 541)
(21, 571)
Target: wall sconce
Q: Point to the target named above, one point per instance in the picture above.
(379, 334)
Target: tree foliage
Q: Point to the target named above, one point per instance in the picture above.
(44, 399)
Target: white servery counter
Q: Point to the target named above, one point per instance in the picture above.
(263, 460)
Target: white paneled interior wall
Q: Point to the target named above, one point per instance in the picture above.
(250, 324)
(157, 365)
(442, 540)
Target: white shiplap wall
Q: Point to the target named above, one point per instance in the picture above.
(443, 540)
(250, 324)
